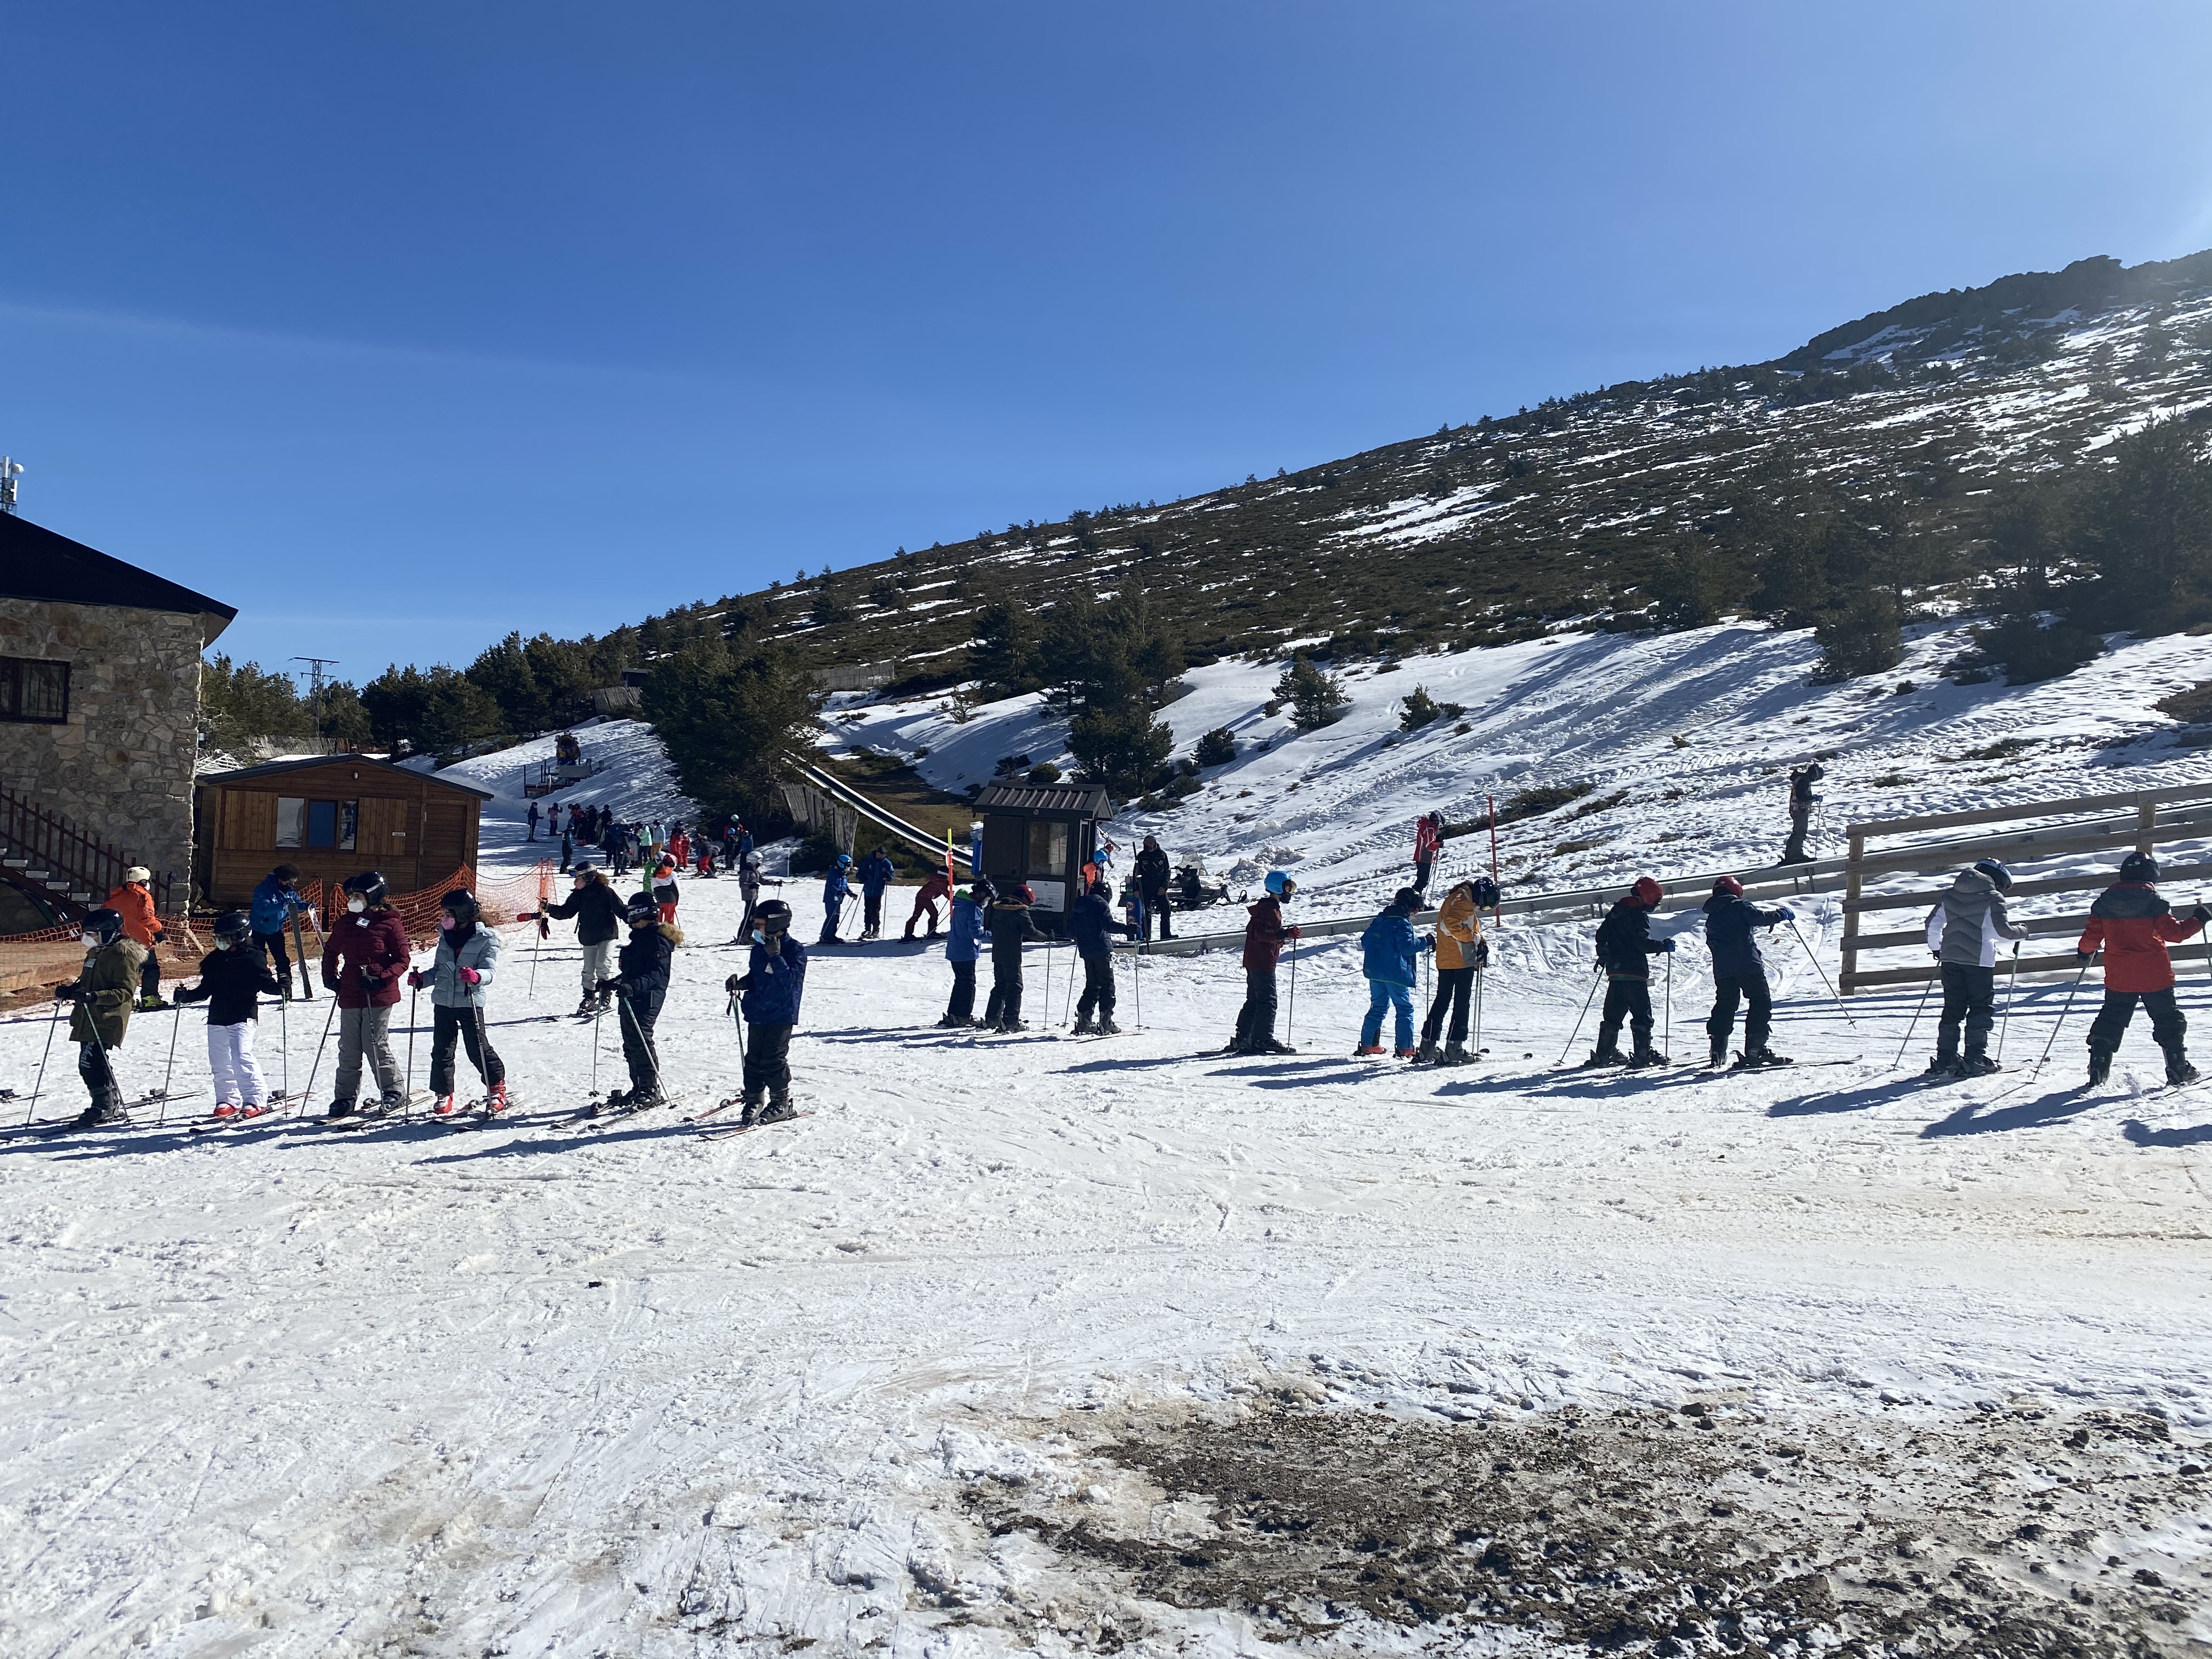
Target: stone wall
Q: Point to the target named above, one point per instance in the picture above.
(122, 767)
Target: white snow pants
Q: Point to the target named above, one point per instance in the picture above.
(598, 964)
(237, 1073)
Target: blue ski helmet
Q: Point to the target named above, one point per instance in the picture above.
(1997, 872)
(1280, 884)
(844, 860)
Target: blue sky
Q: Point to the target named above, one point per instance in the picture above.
(399, 326)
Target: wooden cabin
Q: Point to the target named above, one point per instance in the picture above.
(331, 816)
(1043, 834)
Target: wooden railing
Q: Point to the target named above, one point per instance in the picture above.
(49, 840)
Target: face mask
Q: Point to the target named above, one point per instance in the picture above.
(222, 945)
(445, 918)
(356, 904)
(759, 938)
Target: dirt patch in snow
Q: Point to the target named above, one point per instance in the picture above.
(1714, 1528)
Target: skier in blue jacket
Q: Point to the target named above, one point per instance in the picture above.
(1387, 952)
(275, 900)
(769, 994)
(1088, 925)
(1732, 922)
(836, 888)
(876, 871)
(963, 945)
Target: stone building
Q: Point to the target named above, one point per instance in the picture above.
(100, 689)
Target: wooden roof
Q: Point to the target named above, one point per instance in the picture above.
(1088, 800)
(275, 768)
(37, 563)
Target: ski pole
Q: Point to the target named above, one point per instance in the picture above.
(738, 1019)
(1046, 1021)
(2068, 1009)
(1137, 981)
(2004, 1020)
(1580, 1017)
(1478, 1011)
(644, 1042)
(169, 1070)
(1668, 996)
(1823, 972)
(1067, 1001)
(284, 1035)
(329, 1020)
(1914, 1024)
(599, 1015)
(414, 1000)
(30, 1107)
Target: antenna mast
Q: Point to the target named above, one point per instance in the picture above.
(11, 470)
(314, 672)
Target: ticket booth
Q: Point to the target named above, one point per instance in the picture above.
(1042, 834)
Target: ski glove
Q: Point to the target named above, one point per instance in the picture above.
(2200, 914)
(417, 979)
(469, 976)
(1667, 946)
(2084, 957)
(1290, 933)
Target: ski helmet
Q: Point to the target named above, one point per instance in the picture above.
(1485, 893)
(1280, 884)
(138, 873)
(1647, 893)
(752, 860)
(232, 926)
(772, 917)
(286, 874)
(583, 873)
(102, 925)
(641, 909)
(2136, 866)
(1407, 899)
(1998, 874)
(1729, 885)
(844, 860)
(461, 905)
(1024, 892)
(369, 883)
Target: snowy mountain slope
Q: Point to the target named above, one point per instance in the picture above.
(636, 778)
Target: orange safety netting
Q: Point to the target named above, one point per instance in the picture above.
(499, 904)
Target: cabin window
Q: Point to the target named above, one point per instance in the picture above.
(1047, 845)
(34, 690)
(330, 824)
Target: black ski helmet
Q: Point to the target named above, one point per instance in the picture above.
(772, 917)
(460, 904)
(369, 883)
(1998, 874)
(641, 909)
(102, 925)
(233, 925)
(2139, 867)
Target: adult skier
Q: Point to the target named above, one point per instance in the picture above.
(925, 900)
(836, 888)
(567, 847)
(1461, 951)
(963, 944)
(1088, 924)
(1007, 921)
(1264, 938)
(769, 996)
(533, 817)
(104, 993)
(363, 958)
(232, 977)
(461, 982)
(597, 909)
(1625, 950)
(2133, 926)
(1428, 841)
(1387, 951)
(1963, 931)
(1151, 875)
(748, 886)
(639, 987)
(1732, 924)
(135, 904)
(275, 900)
(876, 871)
(1802, 803)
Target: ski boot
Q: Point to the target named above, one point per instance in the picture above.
(1365, 1049)
(1426, 1055)
(1455, 1054)
(644, 1099)
(748, 1112)
(1756, 1059)
(225, 1111)
(1719, 1054)
(1107, 1027)
(779, 1109)
(340, 1109)
(1645, 1057)
(150, 1005)
(1407, 1054)
(1603, 1057)
(1268, 1045)
(442, 1106)
(1083, 1026)
(495, 1099)
(2178, 1071)
(589, 1007)
(1942, 1066)
(385, 1105)
(2100, 1065)
(100, 1115)
(1978, 1064)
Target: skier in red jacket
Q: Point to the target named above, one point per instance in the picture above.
(1428, 841)
(2134, 925)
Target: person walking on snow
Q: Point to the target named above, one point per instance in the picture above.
(1151, 875)
(963, 944)
(232, 977)
(1007, 921)
(1732, 924)
(925, 900)
(1428, 841)
(134, 905)
(769, 995)
(1963, 931)
(532, 815)
(2133, 926)
(876, 871)
(639, 987)
(460, 985)
(1387, 951)
(836, 888)
(1625, 950)
(1088, 925)
(275, 900)
(568, 849)
(597, 909)
(363, 958)
(104, 993)
(1461, 952)
(1264, 938)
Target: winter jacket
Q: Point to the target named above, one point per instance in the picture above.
(109, 986)
(1151, 872)
(745, 843)
(963, 942)
(597, 910)
(1388, 948)
(1730, 933)
(1264, 935)
(876, 874)
(1625, 942)
(2134, 925)
(1964, 928)
(1008, 923)
(136, 906)
(478, 949)
(1427, 839)
(774, 983)
(1091, 921)
(274, 904)
(364, 959)
(233, 982)
(834, 888)
(935, 889)
(642, 966)
(664, 887)
(1459, 931)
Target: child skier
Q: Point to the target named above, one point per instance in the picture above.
(1007, 922)
(665, 894)
(232, 977)
(103, 993)
(1388, 950)
(1461, 950)
(1963, 931)
(748, 886)
(876, 871)
(836, 888)
(363, 958)
(769, 990)
(1740, 971)
(639, 987)
(461, 982)
(597, 909)
(1624, 948)
(1428, 841)
(963, 943)
(1088, 925)
(2133, 926)
(1264, 938)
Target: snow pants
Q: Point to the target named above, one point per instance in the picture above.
(1628, 1000)
(2168, 1023)
(639, 1053)
(1098, 988)
(920, 910)
(963, 1005)
(271, 945)
(871, 914)
(1255, 1020)
(1005, 1007)
(1969, 994)
(230, 1061)
(1155, 903)
(92, 1065)
(598, 964)
(466, 1025)
(1421, 873)
(768, 1063)
(1384, 993)
(1759, 1010)
(1801, 820)
(362, 1032)
(1454, 986)
(830, 910)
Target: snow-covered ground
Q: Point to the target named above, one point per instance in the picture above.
(857, 1384)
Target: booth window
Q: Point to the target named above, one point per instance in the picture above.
(330, 824)
(35, 690)
(1047, 845)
